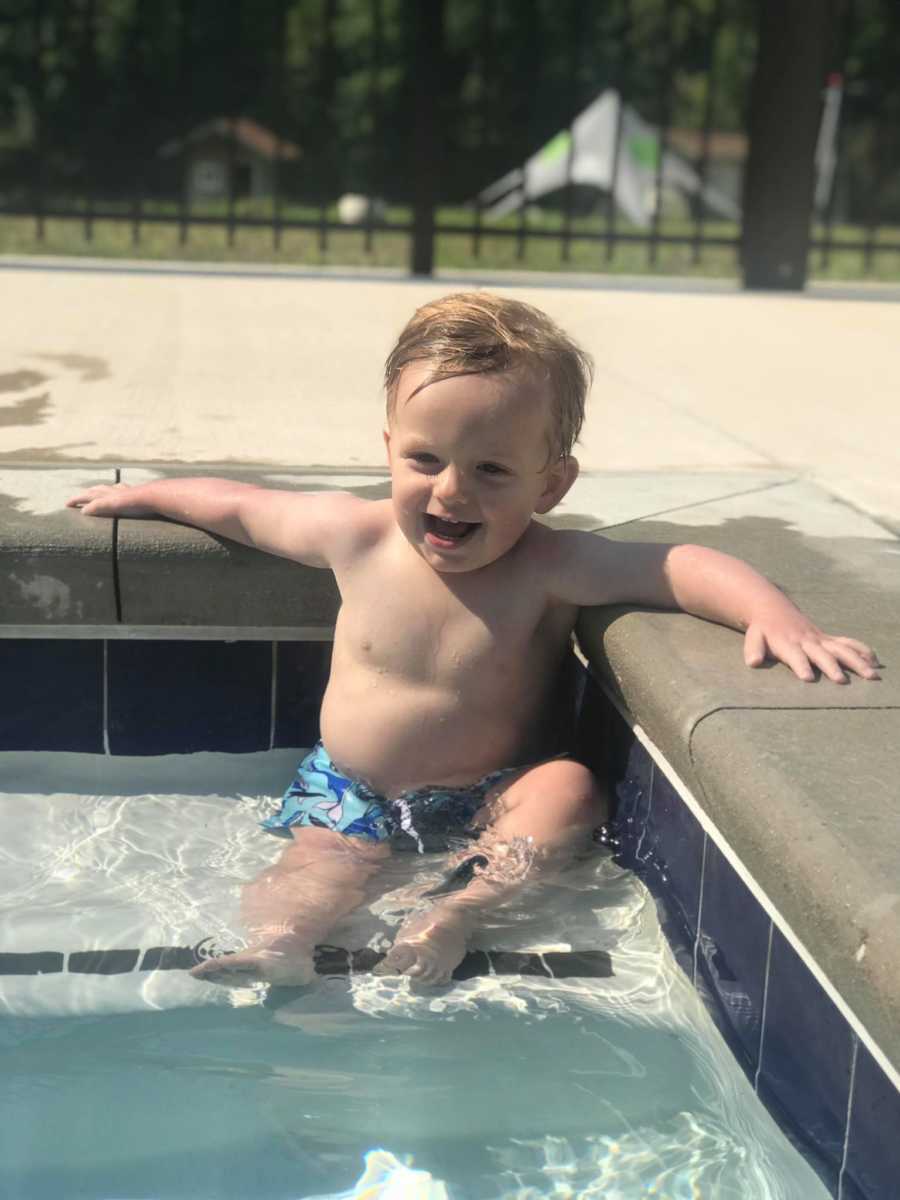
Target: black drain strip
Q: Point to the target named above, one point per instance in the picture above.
(329, 960)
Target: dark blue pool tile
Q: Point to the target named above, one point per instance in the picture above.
(631, 772)
(672, 854)
(873, 1150)
(591, 743)
(302, 673)
(181, 697)
(806, 1056)
(52, 695)
(734, 939)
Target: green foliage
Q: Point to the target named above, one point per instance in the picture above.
(91, 92)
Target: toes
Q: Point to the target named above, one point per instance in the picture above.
(419, 966)
(398, 961)
(217, 972)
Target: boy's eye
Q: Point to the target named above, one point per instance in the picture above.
(490, 468)
(423, 457)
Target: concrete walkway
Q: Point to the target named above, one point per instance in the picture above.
(161, 364)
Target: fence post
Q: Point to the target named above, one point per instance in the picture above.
(425, 161)
(785, 106)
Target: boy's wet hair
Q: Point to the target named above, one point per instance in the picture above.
(477, 333)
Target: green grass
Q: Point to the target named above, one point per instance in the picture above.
(160, 240)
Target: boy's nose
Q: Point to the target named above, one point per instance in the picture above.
(449, 485)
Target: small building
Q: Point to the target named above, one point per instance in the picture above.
(229, 156)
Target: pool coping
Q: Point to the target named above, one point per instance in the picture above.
(794, 782)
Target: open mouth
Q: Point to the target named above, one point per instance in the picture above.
(444, 532)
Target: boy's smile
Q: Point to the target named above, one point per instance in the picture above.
(447, 532)
(471, 462)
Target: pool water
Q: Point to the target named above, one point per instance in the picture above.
(148, 1084)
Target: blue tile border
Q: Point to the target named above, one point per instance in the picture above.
(732, 956)
(301, 673)
(52, 696)
(872, 1165)
(192, 696)
(655, 835)
(826, 1090)
(806, 1060)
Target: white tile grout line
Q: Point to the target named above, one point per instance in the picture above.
(106, 749)
(849, 1118)
(173, 633)
(699, 908)
(765, 1004)
(759, 895)
(273, 695)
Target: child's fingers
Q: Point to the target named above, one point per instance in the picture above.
(80, 500)
(865, 652)
(754, 647)
(91, 507)
(862, 661)
(820, 656)
(83, 498)
(95, 508)
(798, 660)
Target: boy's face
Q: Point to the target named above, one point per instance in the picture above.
(471, 462)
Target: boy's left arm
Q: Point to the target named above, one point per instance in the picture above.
(714, 586)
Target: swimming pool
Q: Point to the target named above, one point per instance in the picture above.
(196, 674)
(612, 1083)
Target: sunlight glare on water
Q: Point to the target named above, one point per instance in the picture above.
(151, 1085)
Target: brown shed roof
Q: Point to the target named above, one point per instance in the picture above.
(246, 132)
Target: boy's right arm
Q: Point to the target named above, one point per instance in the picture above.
(306, 527)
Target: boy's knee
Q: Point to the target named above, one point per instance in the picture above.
(579, 793)
(565, 788)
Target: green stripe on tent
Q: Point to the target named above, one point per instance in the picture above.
(644, 150)
(557, 147)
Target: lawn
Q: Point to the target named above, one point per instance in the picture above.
(159, 235)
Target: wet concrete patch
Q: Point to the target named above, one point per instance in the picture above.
(20, 381)
(87, 366)
(31, 411)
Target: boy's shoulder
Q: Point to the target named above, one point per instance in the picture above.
(579, 566)
(359, 520)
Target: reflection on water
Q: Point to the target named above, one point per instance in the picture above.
(513, 1087)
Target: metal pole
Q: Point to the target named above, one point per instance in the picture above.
(428, 28)
(785, 105)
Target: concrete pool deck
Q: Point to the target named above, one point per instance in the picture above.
(764, 425)
(156, 363)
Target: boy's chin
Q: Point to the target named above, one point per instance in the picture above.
(448, 564)
(459, 561)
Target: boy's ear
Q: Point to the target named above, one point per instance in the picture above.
(387, 443)
(560, 478)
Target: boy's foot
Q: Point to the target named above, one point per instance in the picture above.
(427, 949)
(286, 962)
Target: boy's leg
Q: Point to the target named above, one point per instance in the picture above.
(291, 906)
(533, 823)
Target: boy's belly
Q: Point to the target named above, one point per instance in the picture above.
(398, 737)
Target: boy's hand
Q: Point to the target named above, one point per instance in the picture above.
(800, 645)
(109, 500)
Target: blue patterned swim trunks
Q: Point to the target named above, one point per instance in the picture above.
(422, 819)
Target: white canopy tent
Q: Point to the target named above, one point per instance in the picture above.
(591, 145)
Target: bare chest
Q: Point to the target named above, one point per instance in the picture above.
(419, 628)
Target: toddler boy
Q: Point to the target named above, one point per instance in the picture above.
(457, 609)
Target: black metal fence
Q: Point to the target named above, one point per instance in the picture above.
(590, 134)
